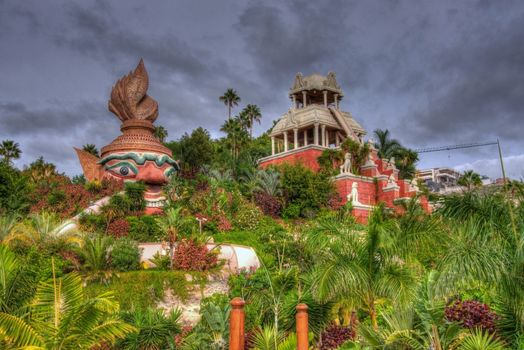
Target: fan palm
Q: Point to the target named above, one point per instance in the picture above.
(361, 268)
(481, 341)
(268, 338)
(230, 99)
(95, 251)
(9, 150)
(91, 148)
(63, 318)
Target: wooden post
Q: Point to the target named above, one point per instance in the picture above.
(302, 327)
(236, 325)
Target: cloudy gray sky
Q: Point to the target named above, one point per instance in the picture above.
(433, 72)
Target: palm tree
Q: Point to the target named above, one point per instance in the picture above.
(10, 281)
(405, 162)
(172, 224)
(386, 145)
(236, 135)
(91, 148)
(470, 179)
(487, 246)
(230, 99)
(43, 229)
(95, 251)
(160, 133)
(10, 150)
(7, 223)
(249, 115)
(61, 317)
(360, 270)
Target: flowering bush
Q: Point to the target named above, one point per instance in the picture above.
(248, 217)
(118, 228)
(191, 256)
(334, 336)
(472, 314)
(270, 205)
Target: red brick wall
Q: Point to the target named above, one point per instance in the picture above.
(366, 190)
(308, 158)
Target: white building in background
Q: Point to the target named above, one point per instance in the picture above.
(444, 180)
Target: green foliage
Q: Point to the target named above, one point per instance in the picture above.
(358, 152)
(155, 330)
(193, 150)
(14, 190)
(135, 194)
(144, 229)
(247, 217)
(125, 255)
(140, 290)
(212, 332)
(304, 189)
(60, 314)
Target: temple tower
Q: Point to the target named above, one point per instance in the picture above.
(314, 121)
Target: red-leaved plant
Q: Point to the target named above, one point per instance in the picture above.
(334, 336)
(191, 256)
(118, 228)
(472, 314)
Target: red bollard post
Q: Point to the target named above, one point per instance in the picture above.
(236, 325)
(302, 327)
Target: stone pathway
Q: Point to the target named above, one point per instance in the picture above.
(191, 306)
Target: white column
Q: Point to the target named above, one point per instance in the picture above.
(336, 101)
(305, 137)
(295, 138)
(323, 132)
(294, 101)
(304, 99)
(272, 145)
(315, 135)
(325, 98)
(327, 138)
(337, 139)
(285, 142)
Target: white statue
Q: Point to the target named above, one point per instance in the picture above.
(392, 165)
(346, 167)
(354, 193)
(369, 160)
(391, 180)
(371, 143)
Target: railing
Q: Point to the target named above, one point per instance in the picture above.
(237, 320)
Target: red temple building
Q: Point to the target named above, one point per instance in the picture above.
(315, 123)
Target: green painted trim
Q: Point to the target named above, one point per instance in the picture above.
(127, 164)
(141, 159)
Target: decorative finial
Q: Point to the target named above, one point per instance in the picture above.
(129, 99)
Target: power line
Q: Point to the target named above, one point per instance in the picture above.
(452, 147)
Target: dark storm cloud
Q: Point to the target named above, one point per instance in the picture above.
(431, 72)
(97, 32)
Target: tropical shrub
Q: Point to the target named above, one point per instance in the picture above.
(135, 194)
(304, 189)
(155, 330)
(144, 228)
(269, 204)
(191, 256)
(125, 255)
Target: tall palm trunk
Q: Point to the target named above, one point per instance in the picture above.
(172, 241)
